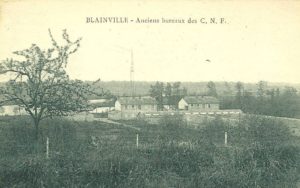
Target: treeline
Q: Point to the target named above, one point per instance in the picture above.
(167, 93)
(264, 100)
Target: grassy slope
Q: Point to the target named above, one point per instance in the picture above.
(164, 158)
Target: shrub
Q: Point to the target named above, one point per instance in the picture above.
(172, 121)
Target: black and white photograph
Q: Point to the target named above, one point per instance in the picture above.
(154, 94)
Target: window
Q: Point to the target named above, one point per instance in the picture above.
(126, 107)
(208, 105)
(132, 106)
(140, 107)
(191, 104)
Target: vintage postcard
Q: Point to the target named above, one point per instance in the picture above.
(131, 93)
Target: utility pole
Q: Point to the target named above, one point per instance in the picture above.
(225, 139)
(47, 147)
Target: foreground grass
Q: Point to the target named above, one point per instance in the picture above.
(261, 153)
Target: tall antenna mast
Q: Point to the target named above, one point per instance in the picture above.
(132, 75)
(132, 86)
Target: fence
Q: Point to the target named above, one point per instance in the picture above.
(155, 116)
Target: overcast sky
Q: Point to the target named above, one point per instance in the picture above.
(261, 40)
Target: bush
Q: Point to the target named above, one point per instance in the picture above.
(172, 121)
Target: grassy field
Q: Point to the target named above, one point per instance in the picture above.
(260, 153)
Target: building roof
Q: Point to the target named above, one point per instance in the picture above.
(136, 100)
(201, 100)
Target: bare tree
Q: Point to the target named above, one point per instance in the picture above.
(40, 85)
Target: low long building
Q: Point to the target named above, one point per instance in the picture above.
(12, 110)
(136, 104)
(198, 103)
(132, 107)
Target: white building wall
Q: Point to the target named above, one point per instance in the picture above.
(97, 101)
(12, 110)
(102, 109)
(118, 106)
(130, 107)
(182, 104)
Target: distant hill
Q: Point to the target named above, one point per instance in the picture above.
(121, 88)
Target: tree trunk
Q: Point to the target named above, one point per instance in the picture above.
(36, 125)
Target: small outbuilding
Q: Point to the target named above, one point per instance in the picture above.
(171, 102)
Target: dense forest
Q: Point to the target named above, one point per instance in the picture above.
(284, 102)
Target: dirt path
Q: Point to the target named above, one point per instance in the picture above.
(292, 123)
